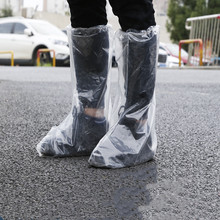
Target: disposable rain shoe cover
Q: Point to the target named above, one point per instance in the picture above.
(132, 139)
(80, 132)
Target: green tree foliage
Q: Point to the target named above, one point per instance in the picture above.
(180, 10)
(6, 12)
(213, 7)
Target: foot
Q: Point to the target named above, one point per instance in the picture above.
(77, 135)
(121, 148)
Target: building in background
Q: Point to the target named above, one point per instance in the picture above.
(15, 5)
(112, 19)
(56, 12)
(56, 6)
(161, 7)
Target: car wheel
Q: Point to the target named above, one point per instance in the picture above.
(45, 58)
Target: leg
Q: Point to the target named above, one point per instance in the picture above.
(85, 125)
(132, 140)
(133, 14)
(87, 13)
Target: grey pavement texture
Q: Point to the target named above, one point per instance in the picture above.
(181, 183)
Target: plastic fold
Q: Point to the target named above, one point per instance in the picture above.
(132, 139)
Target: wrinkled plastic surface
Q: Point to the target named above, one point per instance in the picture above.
(132, 139)
(87, 121)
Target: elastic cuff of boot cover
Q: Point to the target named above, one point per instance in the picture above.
(88, 32)
(141, 35)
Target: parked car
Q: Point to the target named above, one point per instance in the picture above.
(25, 36)
(173, 54)
(162, 58)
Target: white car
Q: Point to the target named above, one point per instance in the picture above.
(162, 58)
(25, 36)
(172, 51)
(173, 61)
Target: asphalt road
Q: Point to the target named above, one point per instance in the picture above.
(182, 182)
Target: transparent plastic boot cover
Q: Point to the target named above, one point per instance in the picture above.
(87, 121)
(132, 139)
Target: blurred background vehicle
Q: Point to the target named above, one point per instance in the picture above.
(114, 62)
(195, 61)
(172, 51)
(64, 31)
(162, 58)
(25, 36)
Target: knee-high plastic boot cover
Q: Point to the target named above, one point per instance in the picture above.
(132, 140)
(80, 132)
